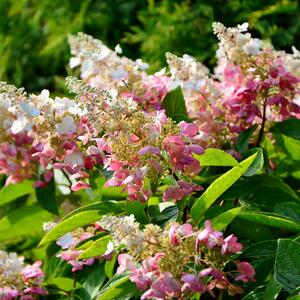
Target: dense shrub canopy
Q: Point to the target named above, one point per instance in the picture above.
(33, 34)
(172, 179)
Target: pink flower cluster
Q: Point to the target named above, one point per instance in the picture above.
(156, 88)
(18, 281)
(17, 159)
(70, 254)
(69, 241)
(39, 134)
(104, 68)
(251, 85)
(116, 119)
(249, 98)
(206, 253)
(71, 257)
(148, 277)
(172, 155)
(73, 154)
(258, 85)
(99, 127)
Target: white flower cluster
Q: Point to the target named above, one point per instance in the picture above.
(98, 63)
(291, 60)
(11, 265)
(19, 281)
(117, 105)
(194, 79)
(20, 112)
(187, 71)
(235, 42)
(190, 74)
(125, 231)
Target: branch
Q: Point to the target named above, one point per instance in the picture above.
(262, 128)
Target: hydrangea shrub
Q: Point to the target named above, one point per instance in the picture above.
(176, 185)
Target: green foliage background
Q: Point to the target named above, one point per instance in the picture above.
(33, 33)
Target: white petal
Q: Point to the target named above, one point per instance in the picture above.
(142, 65)
(160, 72)
(4, 102)
(110, 248)
(19, 125)
(74, 62)
(113, 93)
(118, 49)
(66, 241)
(66, 126)
(29, 109)
(103, 54)
(252, 48)
(45, 94)
(243, 27)
(296, 52)
(74, 159)
(119, 73)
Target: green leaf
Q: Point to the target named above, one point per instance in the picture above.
(264, 190)
(263, 269)
(258, 162)
(113, 193)
(216, 157)
(271, 181)
(174, 105)
(54, 267)
(295, 297)
(25, 221)
(97, 180)
(287, 264)
(97, 248)
(216, 210)
(251, 231)
(289, 127)
(109, 266)
(272, 290)
(168, 214)
(138, 210)
(218, 187)
(46, 197)
(256, 294)
(270, 220)
(117, 287)
(13, 191)
(94, 281)
(261, 250)
(289, 145)
(243, 139)
(115, 207)
(83, 245)
(288, 209)
(83, 216)
(64, 283)
(223, 220)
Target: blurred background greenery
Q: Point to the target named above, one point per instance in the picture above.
(34, 51)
